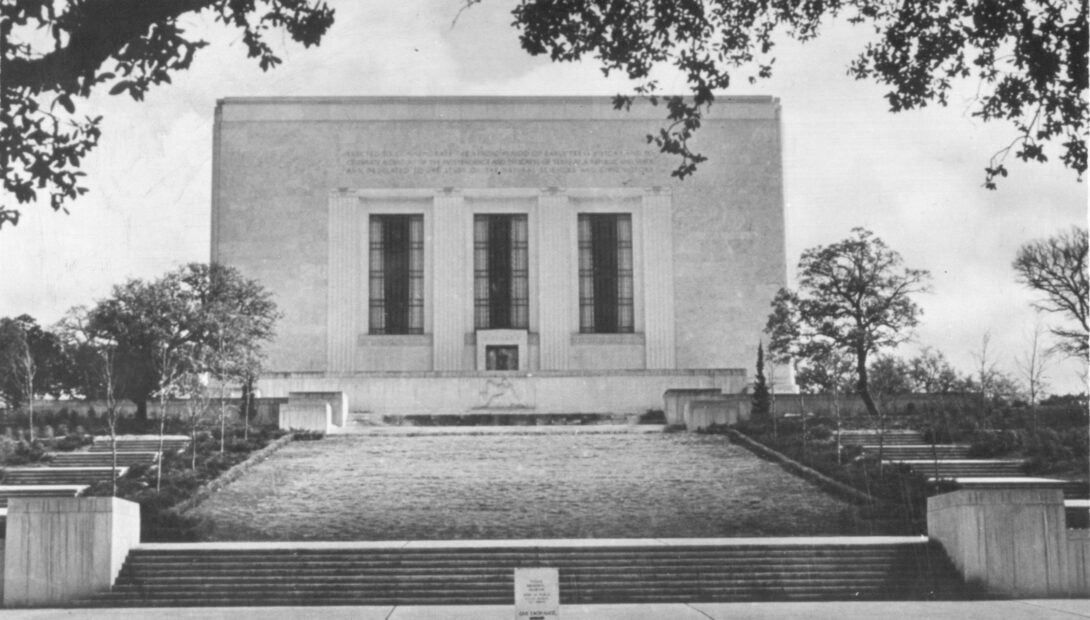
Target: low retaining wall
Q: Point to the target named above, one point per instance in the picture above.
(848, 492)
(538, 392)
(1013, 542)
(230, 475)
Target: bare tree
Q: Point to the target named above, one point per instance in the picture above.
(1057, 267)
(96, 354)
(197, 400)
(986, 366)
(1032, 365)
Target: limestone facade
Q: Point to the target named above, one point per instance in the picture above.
(298, 184)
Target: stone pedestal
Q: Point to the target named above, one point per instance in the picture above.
(306, 416)
(1012, 542)
(59, 550)
(337, 401)
(676, 400)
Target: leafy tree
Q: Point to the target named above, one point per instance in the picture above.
(198, 318)
(889, 376)
(1057, 267)
(1026, 58)
(930, 373)
(54, 53)
(32, 361)
(762, 404)
(854, 297)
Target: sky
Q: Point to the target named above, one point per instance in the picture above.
(914, 179)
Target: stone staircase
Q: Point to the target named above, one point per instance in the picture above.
(68, 474)
(460, 572)
(949, 462)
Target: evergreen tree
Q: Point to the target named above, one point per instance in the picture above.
(761, 400)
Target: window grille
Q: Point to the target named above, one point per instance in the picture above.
(501, 287)
(605, 273)
(396, 274)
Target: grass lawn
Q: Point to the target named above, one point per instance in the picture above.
(504, 486)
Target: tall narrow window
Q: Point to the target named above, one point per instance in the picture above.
(605, 273)
(397, 274)
(501, 287)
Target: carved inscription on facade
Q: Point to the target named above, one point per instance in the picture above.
(536, 161)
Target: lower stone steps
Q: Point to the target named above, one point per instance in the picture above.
(483, 573)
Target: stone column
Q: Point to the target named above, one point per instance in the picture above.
(343, 278)
(556, 275)
(448, 255)
(658, 281)
(59, 550)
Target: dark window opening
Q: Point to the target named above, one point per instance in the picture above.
(396, 274)
(500, 272)
(605, 273)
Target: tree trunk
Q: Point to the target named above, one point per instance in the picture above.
(864, 384)
(141, 409)
(247, 400)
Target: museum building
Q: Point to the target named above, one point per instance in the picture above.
(453, 255)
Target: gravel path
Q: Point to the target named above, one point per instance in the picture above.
(497, 487)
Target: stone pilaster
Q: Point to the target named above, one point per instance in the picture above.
(343, 276)
(556, 277)
(658, 287)
(449, 263)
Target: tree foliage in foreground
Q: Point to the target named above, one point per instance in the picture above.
(55, 53)
(854, 298)
(1057, 268)
(1027, 58)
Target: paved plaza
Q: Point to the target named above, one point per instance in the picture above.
(503, 486)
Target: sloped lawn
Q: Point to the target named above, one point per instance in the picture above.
(503, 486)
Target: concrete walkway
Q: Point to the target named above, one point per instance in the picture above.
(1059, 609)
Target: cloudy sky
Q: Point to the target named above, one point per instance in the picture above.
(914, 179)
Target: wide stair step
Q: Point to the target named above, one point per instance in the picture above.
(40, 476)
(871, 438)
(102, 459)
(902, 452)
(141, 443)
(964, 468)
(53, 490)
(197, 575)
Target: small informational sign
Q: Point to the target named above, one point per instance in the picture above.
(537, 594)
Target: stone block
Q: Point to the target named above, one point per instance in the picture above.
(59, 550)
(307, 416)
(1013, 542)
(677, 399)
(1078, 563)
(704, 412)
(338, 403)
